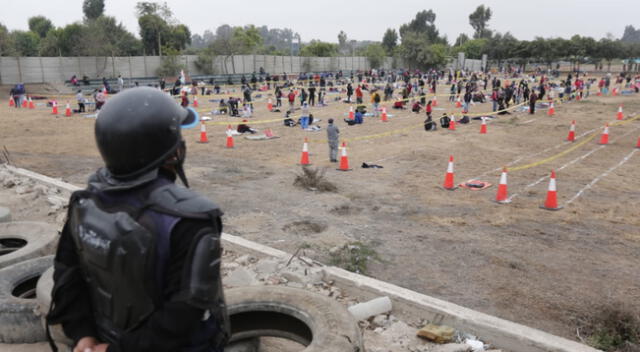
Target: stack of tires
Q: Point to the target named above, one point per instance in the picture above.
(26, 252)
(26, 279)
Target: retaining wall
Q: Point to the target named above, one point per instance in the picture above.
(59, 69)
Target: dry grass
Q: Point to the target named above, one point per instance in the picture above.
(313, 179)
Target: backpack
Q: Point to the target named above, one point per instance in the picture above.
(464, 119)
(19, 89)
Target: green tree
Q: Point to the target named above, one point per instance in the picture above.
(40, 25)
(478, 20)
(375, 53)
(25, 43)
(424, 24)
(92, 9)
(4, 40)
(157, 28)
(418, 52)
(473, 49)
(390, 41)
(319, 48)
(609, 50)
(170, 65)
(246, 40)
(462, 38)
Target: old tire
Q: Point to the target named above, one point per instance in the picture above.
(19, 317)
(5, 214)
(22, 240)
(315, 321)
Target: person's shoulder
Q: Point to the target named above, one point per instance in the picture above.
(176, 199)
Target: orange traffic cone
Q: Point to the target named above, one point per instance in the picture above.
(599, 93)
(620, 114)
(268, 133)
(24, 103)
(614, 92)
(269, 105)
(352, 116)
(195, 101)
(344, 160)
(54, 108)
(483, 127)
(572, 132)
(552, 194)
(203, 133)
(32, 105)
(434, 102)
(448, 179)
(638, 144)
(304, 159)
(11, 102)
(604, 138)
(458, 103)
(383, 118)
(502, 195)
(229, 137)
(67, 111)
(552, 110)
(452, 123)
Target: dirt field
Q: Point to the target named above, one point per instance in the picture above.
(537, 267)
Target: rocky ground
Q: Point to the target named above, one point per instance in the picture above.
(34, 201)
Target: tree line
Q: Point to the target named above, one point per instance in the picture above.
(418, 43)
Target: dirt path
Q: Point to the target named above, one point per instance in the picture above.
(515, 261)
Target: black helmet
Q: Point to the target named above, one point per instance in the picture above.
(138, 129)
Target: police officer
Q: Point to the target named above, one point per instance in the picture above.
(138, 262)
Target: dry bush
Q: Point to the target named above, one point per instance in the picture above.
(313, 179)
(613, 328)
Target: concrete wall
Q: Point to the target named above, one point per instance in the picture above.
(59, 69)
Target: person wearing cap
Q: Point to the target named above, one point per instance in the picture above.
(333, 138)
(137, 267)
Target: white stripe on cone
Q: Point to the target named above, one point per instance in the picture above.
(552, 184)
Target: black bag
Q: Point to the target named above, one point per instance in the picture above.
(430, 125)
(464, 119)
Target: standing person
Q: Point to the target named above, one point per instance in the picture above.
(247, 96)
(163, 84)
(278, 97)
(376, 103)
(429, 109)
(532, 102)
(494, 99)
(292, 100)
(349, 92)
(333, 137)
(137, 266)
(452, 93)
(120, 83)
(312, 95)
(303, 96)
(80, 99)
(359, 95)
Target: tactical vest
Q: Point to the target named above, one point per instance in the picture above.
(123, 242)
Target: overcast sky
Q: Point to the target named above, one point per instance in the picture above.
(360, 19)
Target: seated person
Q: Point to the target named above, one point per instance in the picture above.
(429, 125)
(244, 128)
(444, 121)
(398, 104)
(222, 107)
(416, 107)
(359, 117)
(288, 121)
